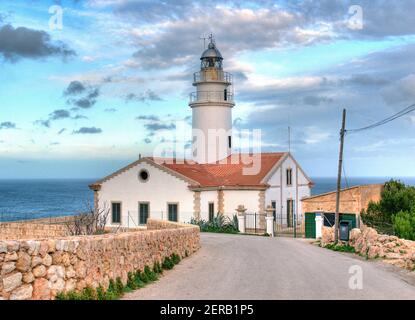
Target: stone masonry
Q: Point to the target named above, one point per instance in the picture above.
(367, 242)
(28, 230)
(39, 268)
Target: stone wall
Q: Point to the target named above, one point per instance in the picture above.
(369, 243)
(40, 268)
(352, 200)
(27, 230)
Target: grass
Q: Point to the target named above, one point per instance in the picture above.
(340, 248)
(116, 289)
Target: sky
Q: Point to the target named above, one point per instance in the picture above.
(87, 86)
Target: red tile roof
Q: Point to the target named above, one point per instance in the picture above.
(227, 172)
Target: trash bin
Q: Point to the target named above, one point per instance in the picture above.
(344, 230)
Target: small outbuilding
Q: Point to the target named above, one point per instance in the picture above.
(352, 201)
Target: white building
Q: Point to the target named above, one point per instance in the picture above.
(215, 182)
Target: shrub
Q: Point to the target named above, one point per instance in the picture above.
(131, 281)
(157, 268)
(143, 277)
(395, 198)
(88, 293)
(150, 274)
(219, 224)
(119, 287)
(111, 293)
(167, 264)
(340, 248)
(175, 258)
(137, 280)
(404, 224)
(101, 293)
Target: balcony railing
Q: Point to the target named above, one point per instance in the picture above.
(212, 75)
(211, 96)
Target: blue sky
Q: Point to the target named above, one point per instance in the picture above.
(84, 100)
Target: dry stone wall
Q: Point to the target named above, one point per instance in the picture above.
(40, 268)
(367, 242)
(27, 230)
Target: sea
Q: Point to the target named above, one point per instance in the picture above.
(30, 199)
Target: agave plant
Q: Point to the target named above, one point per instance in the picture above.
(219, 223)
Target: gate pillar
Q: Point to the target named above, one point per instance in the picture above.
(319, 224)
(241, 218)
(270, 220)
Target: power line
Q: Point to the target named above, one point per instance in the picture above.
(400, 114)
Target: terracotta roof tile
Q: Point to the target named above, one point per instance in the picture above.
(227, 172)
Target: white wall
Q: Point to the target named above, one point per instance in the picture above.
(159, 189)
(234, 198)
(281, 192)
(205, 198)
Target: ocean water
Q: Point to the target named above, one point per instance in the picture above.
(323, 185)
(28, 199)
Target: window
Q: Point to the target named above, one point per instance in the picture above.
(116, 212)
(143, 175)
(143, 212)
(172, 210)
(211, 211)
(289, 177)
(229, 142)
(225, 95)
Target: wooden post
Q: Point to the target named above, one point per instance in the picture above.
(339, 179)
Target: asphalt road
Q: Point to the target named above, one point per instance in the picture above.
(250, 267)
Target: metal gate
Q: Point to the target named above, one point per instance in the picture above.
(255, 223)
(288, 225)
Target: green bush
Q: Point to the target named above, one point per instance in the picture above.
(101, 293)
(150, 274)
(143, 277)
(396, 197)
(167, 264)
(137, 280)
(175, 258)
(404, 224)
(219, 224)
(119, 287)
(340, 248)
(131, 281)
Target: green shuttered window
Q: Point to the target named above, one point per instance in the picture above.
(116, 212)
(172, 208)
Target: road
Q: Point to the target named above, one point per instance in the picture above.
(254, 268)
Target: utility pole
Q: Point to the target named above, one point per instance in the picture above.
(339, 179)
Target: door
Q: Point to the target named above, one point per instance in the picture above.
(143, 208)
(172, 210)
(211, 211)
(290, 210)
(310, 225)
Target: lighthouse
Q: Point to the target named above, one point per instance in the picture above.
(211, 105)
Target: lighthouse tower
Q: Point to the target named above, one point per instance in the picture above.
(211, 104)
